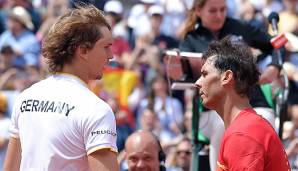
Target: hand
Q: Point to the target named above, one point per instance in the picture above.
(292, 149)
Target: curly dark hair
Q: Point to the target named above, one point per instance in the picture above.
(233, 54)
(77, 27)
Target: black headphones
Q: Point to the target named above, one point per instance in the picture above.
(161, 154)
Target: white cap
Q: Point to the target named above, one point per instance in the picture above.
(156, 9)
(21, 14)
(149, 1)
(135, 12)
(113, 6)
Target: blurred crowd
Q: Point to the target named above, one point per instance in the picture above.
(136, 82)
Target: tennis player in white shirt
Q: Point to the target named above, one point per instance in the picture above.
(58, 123)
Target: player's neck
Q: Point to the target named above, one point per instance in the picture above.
(77, 71)
(232, 107)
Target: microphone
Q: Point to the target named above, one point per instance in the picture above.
(279, 40)
(273, 19)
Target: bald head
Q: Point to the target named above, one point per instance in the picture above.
(141, 137)
(142, 151)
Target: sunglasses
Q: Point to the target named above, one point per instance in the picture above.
(183, 151)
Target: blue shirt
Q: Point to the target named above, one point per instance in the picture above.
(25, 43)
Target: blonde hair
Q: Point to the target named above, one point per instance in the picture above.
(191, 20)
(80, 26)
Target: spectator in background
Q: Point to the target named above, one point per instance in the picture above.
(6, 57)
(54, 9)
(26, 4)
(250, 13)
(149, 122)
(181, 156)
(139, 19)
(120, 47)
(175, 14)
(169, 110)
(158, 37)
(144, 152)
(20, 38)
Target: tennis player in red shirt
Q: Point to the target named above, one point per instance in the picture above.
(227, 77)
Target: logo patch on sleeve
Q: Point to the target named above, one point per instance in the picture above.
(102, 132)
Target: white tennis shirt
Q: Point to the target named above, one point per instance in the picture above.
(59, 122)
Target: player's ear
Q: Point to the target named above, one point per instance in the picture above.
(82, 50)
(227, 76)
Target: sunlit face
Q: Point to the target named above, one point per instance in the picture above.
(142, 156)
(99, 56)
(209, 84)
(213, 14)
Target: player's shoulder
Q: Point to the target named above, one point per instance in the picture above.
(35, 88)
(94, 102)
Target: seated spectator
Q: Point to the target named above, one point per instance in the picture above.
(180, 159)
(114, 14)
(20, 37)
(6, 57)
(54, 9)
(169, 110)
(143, 152)
(158, 37)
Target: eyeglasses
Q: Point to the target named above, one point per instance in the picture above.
(183, 151)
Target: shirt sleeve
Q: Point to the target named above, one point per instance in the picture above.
(14, 127)
(241, 152)
(100, 130)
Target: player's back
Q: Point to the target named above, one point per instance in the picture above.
(49, 116)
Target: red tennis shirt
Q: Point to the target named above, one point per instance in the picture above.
(251, 144)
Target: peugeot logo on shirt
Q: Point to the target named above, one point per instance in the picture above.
(101, 132)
